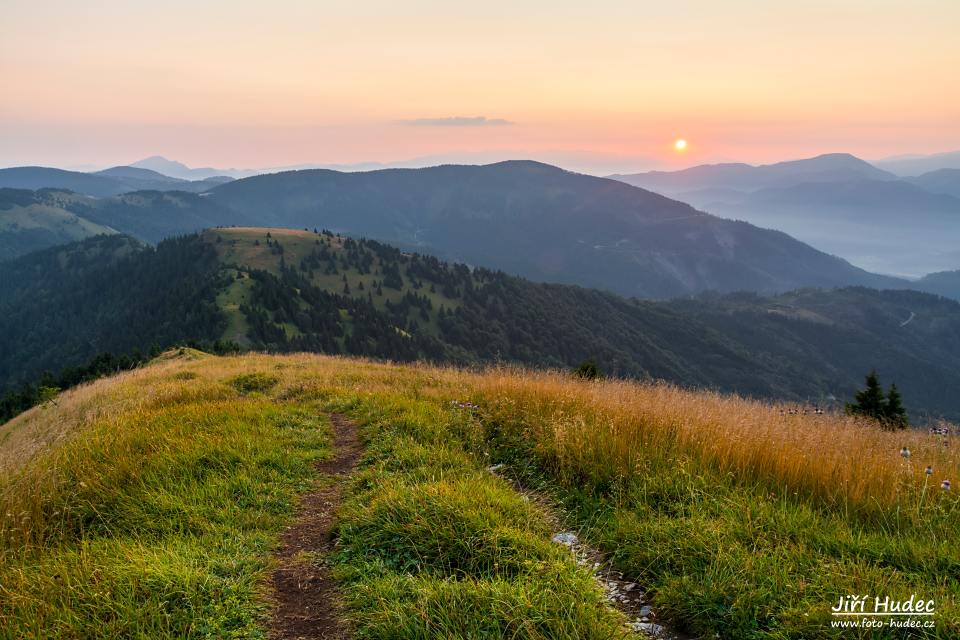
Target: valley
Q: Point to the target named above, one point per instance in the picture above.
(898, 225)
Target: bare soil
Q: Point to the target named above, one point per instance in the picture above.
(307, 604)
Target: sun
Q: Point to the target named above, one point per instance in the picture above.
(680, 145)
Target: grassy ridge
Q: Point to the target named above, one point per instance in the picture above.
(740, 519)
(155, 520)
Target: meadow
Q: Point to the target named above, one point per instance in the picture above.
(150, 504)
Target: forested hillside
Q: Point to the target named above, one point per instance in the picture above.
(284, 290)
(61, 307)
(544, 223)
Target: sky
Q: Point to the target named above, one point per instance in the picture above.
(602, 86)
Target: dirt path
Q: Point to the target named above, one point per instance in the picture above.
(307, 605)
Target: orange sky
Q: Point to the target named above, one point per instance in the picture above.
(248, 84)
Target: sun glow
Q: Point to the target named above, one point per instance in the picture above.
(680, 145)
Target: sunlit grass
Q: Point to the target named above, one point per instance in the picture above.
(742, 518)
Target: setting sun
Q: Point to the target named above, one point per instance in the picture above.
(680, 145)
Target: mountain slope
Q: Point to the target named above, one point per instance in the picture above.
(286, 290)
(47, 178)
(546, 224)
(62, 306)
(152, 216)
(832, 167)
(916, 165)
(837, 203)
(946, 181)
(889, 226)
(837, 335)
(178, 170)
(29, 223)
(943, 283)
(102, 184)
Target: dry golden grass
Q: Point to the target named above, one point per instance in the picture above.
(610, 428)
(607, 429)
(726, 501)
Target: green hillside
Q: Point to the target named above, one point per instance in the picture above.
(526, 218)
(546, 224)
(286, 290)
(28, 223)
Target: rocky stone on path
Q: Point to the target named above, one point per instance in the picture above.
(652, 629)
(566, 538)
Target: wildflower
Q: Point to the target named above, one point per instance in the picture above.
(904, 453)
(945, 485)
(929, 470)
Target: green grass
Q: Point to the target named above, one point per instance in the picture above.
(157, 515)
(238, 250)
(732, 559)
(159, 525)
(230, 299)
(434, 546)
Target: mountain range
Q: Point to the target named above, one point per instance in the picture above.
(836, 202)
(287, 290)
(548, 224)
(101, 184)
(523, 217)
(831, 167)
(915, 165)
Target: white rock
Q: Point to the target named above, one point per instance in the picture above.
(566, 538)
(652, 629)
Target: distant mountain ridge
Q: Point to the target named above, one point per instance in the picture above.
(35, 178)
(553, 225)
(943, 283)
(837, 203)
(546, 224)
(178, 170)
(101, 184)
(945, 181)
(831, 167)
(915, 165)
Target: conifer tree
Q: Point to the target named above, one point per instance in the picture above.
(895, 414)
(871, 402)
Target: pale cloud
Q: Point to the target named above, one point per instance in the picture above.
(457, 121)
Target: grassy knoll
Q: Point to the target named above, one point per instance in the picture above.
(149, 503)
(255, 248)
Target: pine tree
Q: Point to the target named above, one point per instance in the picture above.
(887, 409)
(870, 401)
(895, 414)
(588, 370)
